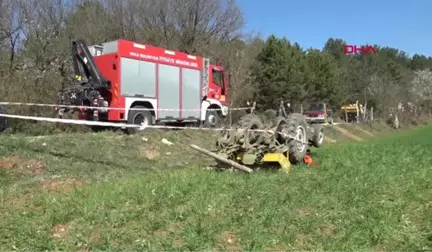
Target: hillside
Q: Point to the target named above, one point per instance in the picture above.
(113, 192)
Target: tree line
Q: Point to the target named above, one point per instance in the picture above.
(385, 79)
(35, 53)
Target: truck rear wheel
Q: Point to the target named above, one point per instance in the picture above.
(143, 118)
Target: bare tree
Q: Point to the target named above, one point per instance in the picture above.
(200, 21)
(421, 87)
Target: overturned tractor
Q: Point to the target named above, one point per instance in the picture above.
(267, 138)
(253, 139)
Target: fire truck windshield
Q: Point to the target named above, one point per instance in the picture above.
(218, 78)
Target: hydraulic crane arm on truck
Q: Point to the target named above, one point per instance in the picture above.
(85, 67)
(91, 83)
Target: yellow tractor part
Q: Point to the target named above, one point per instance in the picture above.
(249, 159)
(280, 158)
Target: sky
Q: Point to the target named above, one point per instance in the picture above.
(403, 24)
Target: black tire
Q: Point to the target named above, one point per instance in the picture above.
(134, 116)
(298, 117)
(270, 116)
(3, 120)
(291, 126)
(317, 138)
(251, 121)
(213, 119)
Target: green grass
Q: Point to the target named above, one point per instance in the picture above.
(373, 195)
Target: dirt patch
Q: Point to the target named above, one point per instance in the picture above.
(347, 133)
(115, 244)
(22, 165)
(25, 203)
(179, 243)
(278, 230)
(95, 237)
(149, 154)
(212, 214)
(57, 185)
(21, 200)
(60, 231)
(304, 212)
(228, 241)
(16, 202)
(276, 248)
(379, 248)
(161, 233)
(302, 241)
(177, 227)
(327, 230)
(365, 131)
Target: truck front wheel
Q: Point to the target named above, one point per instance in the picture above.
(213, 119)
(143, 118)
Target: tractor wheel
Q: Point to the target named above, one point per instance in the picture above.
(251, 122)
(317, 138)
(270, 117)
(294, 130)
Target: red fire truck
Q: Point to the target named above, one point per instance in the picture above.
(124, 81)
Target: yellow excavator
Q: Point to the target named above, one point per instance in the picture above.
(352, 112)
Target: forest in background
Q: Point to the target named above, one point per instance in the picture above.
(35, 54)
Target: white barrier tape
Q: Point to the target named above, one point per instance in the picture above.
(108, 124)
(90, 107)
(124, 125)
(70, 121)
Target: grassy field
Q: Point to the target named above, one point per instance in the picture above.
(113, 192)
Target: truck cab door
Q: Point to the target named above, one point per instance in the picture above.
(217, 88)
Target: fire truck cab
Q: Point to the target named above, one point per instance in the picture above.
(145, 85)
